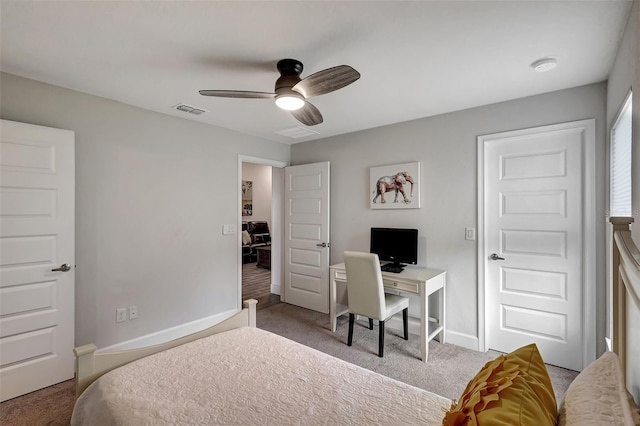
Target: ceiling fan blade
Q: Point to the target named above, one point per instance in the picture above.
(326, 81)
(238, 94)
(308, 115)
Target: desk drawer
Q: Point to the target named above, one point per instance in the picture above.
(340, 275)
(402, 286)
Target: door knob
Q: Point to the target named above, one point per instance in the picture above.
(495, 257)
(65, 267)
(323, 245)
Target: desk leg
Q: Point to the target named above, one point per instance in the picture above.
(441, 316)
(332, 303)
(424, 324)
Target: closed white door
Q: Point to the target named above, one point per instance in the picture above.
(36, 236)
(307, 236)
(534, 253)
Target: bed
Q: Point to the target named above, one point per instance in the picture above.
(249, 376)
(235, 373)
(626, 303)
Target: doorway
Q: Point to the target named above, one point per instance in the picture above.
(260, 186)
(304, 270)
(256, 200)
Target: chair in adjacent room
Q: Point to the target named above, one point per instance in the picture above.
(365, 291)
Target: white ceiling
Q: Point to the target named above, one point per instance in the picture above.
(417, 59)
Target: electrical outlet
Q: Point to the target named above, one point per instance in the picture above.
(133, 312)
(121, 314)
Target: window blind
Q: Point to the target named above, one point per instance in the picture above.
(620, 184)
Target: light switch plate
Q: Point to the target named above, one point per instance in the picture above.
(470, 234)
(228, 229)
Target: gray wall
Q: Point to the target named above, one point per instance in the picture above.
(152, 194)
(447, 149)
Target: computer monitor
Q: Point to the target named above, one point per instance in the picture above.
(395, 245)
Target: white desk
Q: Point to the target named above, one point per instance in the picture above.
(414, 280)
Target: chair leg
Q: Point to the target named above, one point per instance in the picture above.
(352, 319)
(405, 322)
(381, 339)
(370, 323)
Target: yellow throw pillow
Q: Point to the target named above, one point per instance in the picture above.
(513, 389)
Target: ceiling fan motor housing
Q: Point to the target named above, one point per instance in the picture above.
(289, 66)
(290, 70)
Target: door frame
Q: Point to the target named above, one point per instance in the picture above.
(589, 229)
(276, 237)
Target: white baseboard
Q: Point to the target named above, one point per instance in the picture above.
(169, 334)
(461, 339)
(275, 289)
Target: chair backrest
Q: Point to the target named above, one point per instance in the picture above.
(365, 289)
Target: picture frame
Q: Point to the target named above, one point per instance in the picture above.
(247, 198)
(396, 186)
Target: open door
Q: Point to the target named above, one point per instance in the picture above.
(37, 275)
(306, 243)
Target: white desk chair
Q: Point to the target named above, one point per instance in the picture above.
(365, 291)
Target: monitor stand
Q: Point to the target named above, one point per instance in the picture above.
(392, 267)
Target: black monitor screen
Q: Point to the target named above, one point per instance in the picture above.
(397, 245)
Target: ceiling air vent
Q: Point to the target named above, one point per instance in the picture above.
(189, 109)
(296, 132)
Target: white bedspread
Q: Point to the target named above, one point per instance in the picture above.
(250, 376)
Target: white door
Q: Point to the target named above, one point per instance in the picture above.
(534, 243)
(36, 236)
(307, 236)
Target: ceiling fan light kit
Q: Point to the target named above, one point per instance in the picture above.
(289, 100)
(291, 92)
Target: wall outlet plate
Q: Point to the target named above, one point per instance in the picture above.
(121, 314)
(133, 312)
(228, 229)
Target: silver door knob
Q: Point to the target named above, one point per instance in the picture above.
(495, 257)
(65, 267)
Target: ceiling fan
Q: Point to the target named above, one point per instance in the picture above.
(292, 92)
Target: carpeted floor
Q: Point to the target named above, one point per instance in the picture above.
(50, 406)
(447, 372)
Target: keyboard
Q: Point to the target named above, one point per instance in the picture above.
(390, 268)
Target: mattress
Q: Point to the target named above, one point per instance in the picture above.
(250, 376)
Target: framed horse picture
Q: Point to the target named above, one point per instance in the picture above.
(395, 187)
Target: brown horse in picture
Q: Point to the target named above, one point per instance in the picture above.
(393, 183)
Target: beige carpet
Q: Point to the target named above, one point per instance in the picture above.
(49, 406)
(447, 372)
